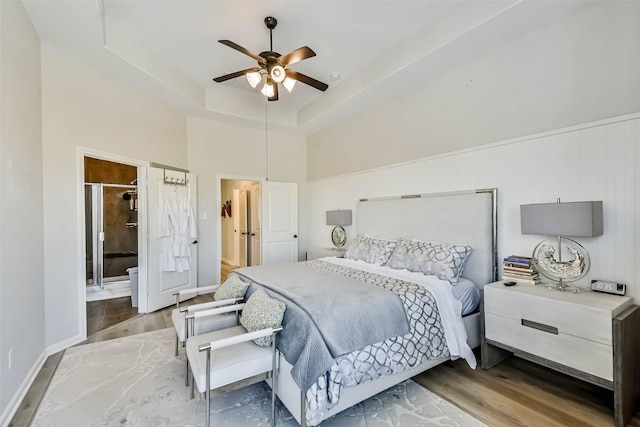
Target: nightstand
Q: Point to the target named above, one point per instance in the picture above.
(589, 335)
(322, 252)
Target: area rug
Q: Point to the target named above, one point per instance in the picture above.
(137, 381)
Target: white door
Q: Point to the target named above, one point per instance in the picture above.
(162, 284)
(242, 217)
(256, 229)
(279, 222)
(236, 226)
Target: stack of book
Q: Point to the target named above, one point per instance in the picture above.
(520, 269)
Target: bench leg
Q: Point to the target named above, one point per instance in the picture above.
(208, 392)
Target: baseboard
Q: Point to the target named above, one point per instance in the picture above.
(228, 261)
(15, 402)
(63, 345)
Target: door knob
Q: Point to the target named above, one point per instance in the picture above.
(295, 236)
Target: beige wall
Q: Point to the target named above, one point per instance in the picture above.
(577, 69)
(221, 150)
(22, 309)
(83, 108)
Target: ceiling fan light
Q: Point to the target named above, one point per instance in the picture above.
(289, 83)
(267, 90)
(254, 78)
(277, 73)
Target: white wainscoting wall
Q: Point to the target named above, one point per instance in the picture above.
(594, 161)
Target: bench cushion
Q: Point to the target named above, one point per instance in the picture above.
(229, 364)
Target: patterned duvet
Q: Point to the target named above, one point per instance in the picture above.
(426, 339)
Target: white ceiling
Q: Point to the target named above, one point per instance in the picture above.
(170, 48)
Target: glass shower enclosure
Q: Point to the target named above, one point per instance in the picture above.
(111, 224)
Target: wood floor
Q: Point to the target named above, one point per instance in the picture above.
(106, 313)
(514, 393)
(225, 269)
(520, 393)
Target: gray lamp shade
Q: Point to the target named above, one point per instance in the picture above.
(579, 219)
(339, 217)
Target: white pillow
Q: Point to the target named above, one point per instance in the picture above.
(371, 249)
(446, 261)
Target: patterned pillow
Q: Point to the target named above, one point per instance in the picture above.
(443, 260)
(233, 287)
(260, 312)
(370, 249)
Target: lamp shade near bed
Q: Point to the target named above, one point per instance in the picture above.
(575, 219)
(339, 218)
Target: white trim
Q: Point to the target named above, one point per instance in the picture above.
(96, 154)
(18, 397)
(63, 345)
(488, 146)
(143, 240)
(81, 246)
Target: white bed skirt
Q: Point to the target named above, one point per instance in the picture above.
(291, 396)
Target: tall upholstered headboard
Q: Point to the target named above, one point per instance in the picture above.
(462, 217)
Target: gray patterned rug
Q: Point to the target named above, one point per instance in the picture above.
(137, 381)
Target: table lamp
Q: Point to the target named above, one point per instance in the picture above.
(575, 219)
(339, 218)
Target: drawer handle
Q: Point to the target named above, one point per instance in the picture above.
(540, 326)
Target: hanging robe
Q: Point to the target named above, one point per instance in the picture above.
(176, 229)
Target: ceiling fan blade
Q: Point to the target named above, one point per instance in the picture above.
(239, 48)
(307, 80)
(275, 92)
(234, 75)
(297, 55)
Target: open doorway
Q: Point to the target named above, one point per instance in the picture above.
(241, 229)
(111, 241)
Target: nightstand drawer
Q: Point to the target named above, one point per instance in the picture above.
(539, 339)
(589, 335)
(580, 320)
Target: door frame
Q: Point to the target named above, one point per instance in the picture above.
(81, 153)
(219, 179)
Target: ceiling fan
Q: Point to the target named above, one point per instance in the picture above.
(273, 66)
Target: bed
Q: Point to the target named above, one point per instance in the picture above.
(408, 321)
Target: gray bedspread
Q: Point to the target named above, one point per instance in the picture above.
(328, 315)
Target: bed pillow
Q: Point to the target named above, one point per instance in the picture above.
(371, 249)
(260, 312)
(233, 287)
(446, 261)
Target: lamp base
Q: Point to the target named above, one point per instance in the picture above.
(338, 237)
(562, 287)
(547, 260)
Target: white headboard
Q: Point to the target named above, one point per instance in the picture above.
(464, 217)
